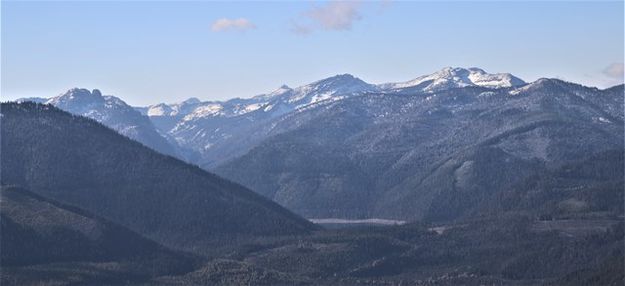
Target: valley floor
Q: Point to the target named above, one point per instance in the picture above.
(504, 251)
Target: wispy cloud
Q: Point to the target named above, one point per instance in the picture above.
(331, 16)
(225, 24)
(336, 15)
(614, 70)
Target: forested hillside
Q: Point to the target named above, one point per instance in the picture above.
(441, 156)
(80, 162)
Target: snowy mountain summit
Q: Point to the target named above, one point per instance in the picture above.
(112, 112)
(455, 78)
(286, 99)
(330, 88)
(208, 128)
(283, 99)
(78, 100)
(209, 131)
(163, 109)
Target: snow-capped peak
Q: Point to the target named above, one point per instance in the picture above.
(281, 90)
(160, 109)
(450, 77)
(180, 108)
(339, 85)
(481, 78)
(335, 87)
(77, 99)
(77, 94)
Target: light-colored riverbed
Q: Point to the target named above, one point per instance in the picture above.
(377, 221)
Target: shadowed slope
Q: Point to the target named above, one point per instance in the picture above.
(78, 161)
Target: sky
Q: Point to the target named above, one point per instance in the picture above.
(151, 52)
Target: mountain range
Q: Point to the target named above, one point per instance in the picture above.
(435, 156)
(209, 133)
(499, 181)
(341, 147)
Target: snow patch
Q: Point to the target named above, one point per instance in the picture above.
(204, 111)
(458, 77)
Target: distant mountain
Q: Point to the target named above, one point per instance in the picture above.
(504, 182)
(341, 147)
(455, 78)
(283, 98)
(112, 112)
(213, 132)
(38, 232)
(335, 87)
(80, 162)
(216, 131)
(439, 155)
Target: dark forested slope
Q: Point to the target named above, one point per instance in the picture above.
(80, 162)
(43, 241)
(36, 230)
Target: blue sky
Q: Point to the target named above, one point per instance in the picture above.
(150, 52)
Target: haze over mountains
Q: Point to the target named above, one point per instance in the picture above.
(204, 132)
(501, 182)
(341, 147)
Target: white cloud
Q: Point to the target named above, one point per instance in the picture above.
(615, 70)
(332, 16)
(225, 24)
(336, 15)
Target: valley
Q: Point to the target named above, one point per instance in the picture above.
(435, 181)
(312, 143)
